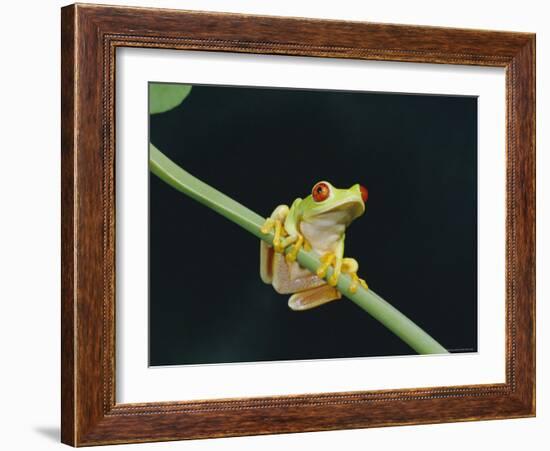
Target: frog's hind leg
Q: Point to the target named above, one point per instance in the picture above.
(274, 222)
(266, 262)
(277, 270)
(289, 278)
(314, 297)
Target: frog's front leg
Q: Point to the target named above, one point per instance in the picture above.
(350, 266)
(276, 222)
(341, 265)
(284, 221)
(334, 258)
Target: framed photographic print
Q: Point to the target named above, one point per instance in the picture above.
(281, 224)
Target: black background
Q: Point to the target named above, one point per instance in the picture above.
(416, 244)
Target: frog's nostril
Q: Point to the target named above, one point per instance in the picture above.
(364, 193)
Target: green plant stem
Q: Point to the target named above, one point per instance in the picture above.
(368, 300)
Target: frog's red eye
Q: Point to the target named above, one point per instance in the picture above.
(320, 192)
(364, 193)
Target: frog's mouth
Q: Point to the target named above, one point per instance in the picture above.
(344, 212)
(353, 208)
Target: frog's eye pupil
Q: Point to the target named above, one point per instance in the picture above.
(320, 192)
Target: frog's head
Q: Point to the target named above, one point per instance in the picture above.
(326, 199)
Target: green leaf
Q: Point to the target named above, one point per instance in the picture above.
(166, 96)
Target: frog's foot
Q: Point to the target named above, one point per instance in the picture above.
(276, 222)
(313, 297)
(299, 243)
(350, 266)
(333, 279)
(326, 261)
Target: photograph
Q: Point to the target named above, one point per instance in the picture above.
(380, 186)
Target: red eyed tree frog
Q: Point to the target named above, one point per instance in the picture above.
(316, 223)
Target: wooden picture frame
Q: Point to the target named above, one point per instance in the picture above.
(90, 412)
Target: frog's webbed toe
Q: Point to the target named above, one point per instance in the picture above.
(350, 266)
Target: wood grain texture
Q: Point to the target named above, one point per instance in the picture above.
(90, 36)
(68, 313)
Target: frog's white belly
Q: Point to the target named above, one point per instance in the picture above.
(325, 231)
